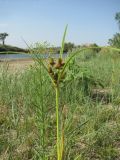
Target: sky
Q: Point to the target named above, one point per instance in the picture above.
(89, 21)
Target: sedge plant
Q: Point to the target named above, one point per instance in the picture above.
(56, 73)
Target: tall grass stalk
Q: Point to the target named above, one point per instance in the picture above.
(56, 84)
(57, 122)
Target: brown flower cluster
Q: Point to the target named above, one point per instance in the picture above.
(55, 68)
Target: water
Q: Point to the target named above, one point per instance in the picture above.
(27, 56)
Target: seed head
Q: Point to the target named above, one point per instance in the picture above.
(50, 70)
(56, 76)
(58, 66)
(60, 60)
(55, 81)
(51, 62)
(63, 63)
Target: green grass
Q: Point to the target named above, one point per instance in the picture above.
(89, 102)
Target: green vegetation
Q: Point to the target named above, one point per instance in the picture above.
(10, 52)
(117, 18)
(68, 47)
(45, 47)
(115, 41)
(89, 102)
(6, 49)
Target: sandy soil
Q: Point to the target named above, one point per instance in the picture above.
(18, 65)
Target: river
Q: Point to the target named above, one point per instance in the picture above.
(27, 56)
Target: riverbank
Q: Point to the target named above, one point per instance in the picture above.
(17, 64)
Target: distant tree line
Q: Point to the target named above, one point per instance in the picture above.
(7, 48)
(115, 41)
(68, 47)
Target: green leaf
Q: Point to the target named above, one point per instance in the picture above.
(63, 42)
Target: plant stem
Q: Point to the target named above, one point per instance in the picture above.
(42, 116)
(57, 121)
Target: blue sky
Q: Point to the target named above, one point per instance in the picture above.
(88, 21)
